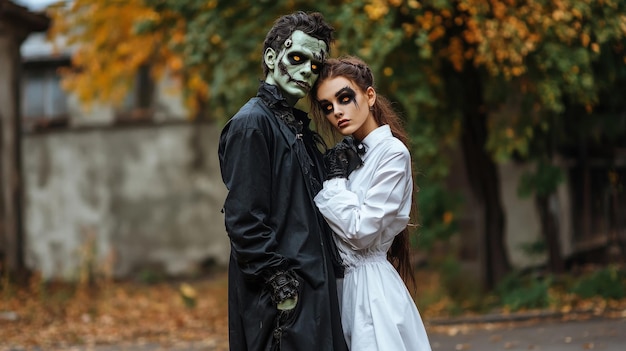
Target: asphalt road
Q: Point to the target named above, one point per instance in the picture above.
(544, 335)
(594, 334)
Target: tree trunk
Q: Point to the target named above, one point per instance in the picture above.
(550, 232)
(484, 179)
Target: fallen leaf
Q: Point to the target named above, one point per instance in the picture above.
(495, 338)
(460, 347)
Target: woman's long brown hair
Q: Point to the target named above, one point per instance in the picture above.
(354, 69)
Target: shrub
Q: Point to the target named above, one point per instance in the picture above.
(608, 283)
(517, 291)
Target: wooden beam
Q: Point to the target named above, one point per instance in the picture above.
(16, 23)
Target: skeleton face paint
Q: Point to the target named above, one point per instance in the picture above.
(347, 107)
(297, 65)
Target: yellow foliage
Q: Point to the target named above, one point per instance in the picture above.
(175, 63)
(436, 33)
(499, 9)
(409, 29)
(595, 47)
(106, 59)
(376, 9)
(109, 51)
(455, 53)
(448, 217)
(215, 39)
(497, 34)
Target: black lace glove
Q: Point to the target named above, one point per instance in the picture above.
(283, 287)
(342, 159)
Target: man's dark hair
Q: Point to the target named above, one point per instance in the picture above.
(312, 24)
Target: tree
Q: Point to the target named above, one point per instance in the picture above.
(111, 47)
(547, 58)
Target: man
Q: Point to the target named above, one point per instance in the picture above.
(283, 262)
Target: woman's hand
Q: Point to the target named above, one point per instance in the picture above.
(343, 159)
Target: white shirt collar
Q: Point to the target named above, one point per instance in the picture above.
(376, 136)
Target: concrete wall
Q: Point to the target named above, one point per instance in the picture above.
(522, 225)
(121, 199)
(143, 197)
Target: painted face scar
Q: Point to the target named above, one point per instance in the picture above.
(319, 56)
(283, 69)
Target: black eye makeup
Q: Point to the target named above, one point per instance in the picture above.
(346, 95)
(316, 67)
(295, 58)
(326, 107)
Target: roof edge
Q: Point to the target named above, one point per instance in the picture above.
(23, 17)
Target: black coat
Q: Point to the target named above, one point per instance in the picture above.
(272, 169)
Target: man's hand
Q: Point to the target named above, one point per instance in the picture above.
(283, 287)
(288, 304)
(343, 159)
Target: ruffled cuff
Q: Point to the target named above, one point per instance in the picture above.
(335, 184)
(331, 188)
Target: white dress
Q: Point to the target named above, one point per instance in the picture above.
(366, 212)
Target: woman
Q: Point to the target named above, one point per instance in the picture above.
(367, 204)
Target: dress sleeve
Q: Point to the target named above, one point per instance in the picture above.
(360, 224)
(246, 171)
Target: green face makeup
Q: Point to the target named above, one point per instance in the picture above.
(297, 66)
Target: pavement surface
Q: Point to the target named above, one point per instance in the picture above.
(593, 334)
(607, 334)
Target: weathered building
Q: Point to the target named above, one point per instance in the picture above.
(125, 191)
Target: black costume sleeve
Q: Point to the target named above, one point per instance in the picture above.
(246, 171)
